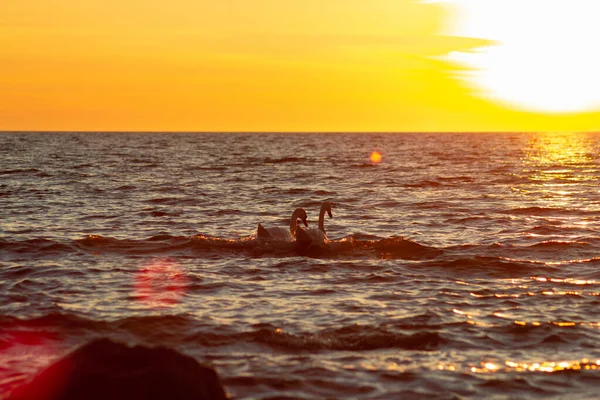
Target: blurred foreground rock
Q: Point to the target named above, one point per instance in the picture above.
(105, 370)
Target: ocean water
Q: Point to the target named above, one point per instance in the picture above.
(460, 266)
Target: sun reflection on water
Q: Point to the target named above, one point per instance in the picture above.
(544, 366)
(488, 367)
(553, 163)
(556, 154)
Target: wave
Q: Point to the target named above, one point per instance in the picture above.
(19, 171)
(351, 338)
(41, 246)
(390, 248)
(361, 166)
(186, 329)
(547, 211)
(268, 160)
(494, 257)
(398, 247)
(425, 332)
(560, 245)
(164, 214)
(419, 333)
(424, 184)
(125, 188)
(474, 219)
(208, 168)
(284, 160)
(554, 230)
(173, 201)
(355, 246)
(495, 266)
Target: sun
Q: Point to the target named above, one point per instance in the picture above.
(544, 56)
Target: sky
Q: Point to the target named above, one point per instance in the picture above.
(315, 65)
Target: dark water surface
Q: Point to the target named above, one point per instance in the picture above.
(462, 265)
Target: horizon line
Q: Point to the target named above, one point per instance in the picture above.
(286, 132)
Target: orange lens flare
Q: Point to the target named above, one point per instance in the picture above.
(376, 157)
(160, 284)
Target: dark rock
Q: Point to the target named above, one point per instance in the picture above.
(103, 369)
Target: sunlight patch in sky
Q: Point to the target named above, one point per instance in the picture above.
(545, 56)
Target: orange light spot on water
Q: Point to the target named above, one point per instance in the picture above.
(567, 323)
(162, 283)
(376, 157)
(490, 366)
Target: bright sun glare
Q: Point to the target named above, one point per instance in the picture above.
(545, 58)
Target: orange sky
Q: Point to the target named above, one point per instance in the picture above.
(244, 65)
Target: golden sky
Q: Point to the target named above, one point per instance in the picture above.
(249, 65)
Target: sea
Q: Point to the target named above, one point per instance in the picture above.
(458, 266)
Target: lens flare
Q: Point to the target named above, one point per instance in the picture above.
(32, 344)
(162, 283)
(376, 157)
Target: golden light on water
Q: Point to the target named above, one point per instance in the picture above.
(488, 367)
(559, 168)
(529, 287)
(556, 160)
(566, 280)
(559, 150)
